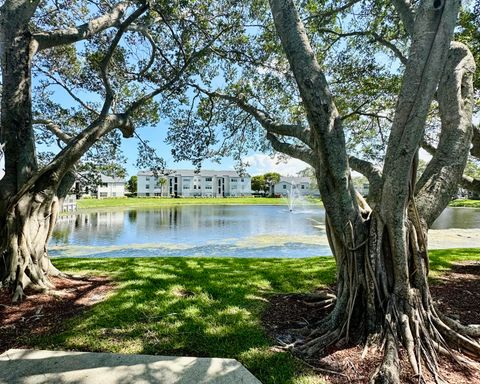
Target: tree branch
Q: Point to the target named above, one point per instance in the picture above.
(54, 128)
(428, 54)
(109, 95)
(76, 148)
(266, 121)
(470, 183)
(390, 46)
(328, 139)
(428, 147)
(300, 152)
(374, 37)
(371, 172)
(144, 32)
(195, 55)
(455, 100)
(71, 35)
(333, 11)
(405, 11)
(69, 91)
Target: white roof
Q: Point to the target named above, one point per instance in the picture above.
(108, 179)
(295, 180)
(191, 172)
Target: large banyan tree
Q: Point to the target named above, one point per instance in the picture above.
(116, 69)
(397, 80)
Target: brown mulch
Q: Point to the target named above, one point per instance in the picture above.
(456, 293)
(41, 314)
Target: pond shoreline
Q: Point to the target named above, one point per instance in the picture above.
(153, 202)
(219, 230)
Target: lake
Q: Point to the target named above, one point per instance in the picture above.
(209, 230)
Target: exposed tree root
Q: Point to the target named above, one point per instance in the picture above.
(24, 248)
(421, 340)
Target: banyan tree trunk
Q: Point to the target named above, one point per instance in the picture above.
(25, 230)
(376, 305)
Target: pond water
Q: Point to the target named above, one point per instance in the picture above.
(208, 230)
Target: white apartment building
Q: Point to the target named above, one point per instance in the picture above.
(301, 185)
(187, 183)
(110, 187)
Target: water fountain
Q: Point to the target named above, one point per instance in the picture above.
(292, 195)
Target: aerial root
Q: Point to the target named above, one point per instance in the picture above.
(319, 343)
(466, 344)
(322, 304)
(472, 330)
(18, 294)
(389, 369)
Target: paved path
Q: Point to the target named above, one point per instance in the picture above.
(57, 367)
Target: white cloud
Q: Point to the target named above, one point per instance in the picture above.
(260, 164)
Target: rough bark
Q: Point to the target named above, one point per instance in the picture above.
(455, 100)
(381, 252)
(30, 197)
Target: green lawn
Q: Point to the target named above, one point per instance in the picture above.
(152, 202)
(465, 203)
(201, 307)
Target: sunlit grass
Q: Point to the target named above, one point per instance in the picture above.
(201, 307)
(152, 202)
(465, 203)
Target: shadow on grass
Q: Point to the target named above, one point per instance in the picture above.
(442, 260)
(201, 307)
(205, 307)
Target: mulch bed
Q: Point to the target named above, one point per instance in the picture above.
(456, 293)
(41, 314)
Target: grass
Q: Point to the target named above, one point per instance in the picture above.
(152, 202)
(201, 307)
(465, 203)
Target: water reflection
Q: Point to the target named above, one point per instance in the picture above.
(237, 231)
(196, 230)
(458, 218)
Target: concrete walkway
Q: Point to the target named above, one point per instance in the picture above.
(34, 367)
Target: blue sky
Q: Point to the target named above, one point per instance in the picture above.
(259, 162)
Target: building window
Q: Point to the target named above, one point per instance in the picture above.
(208, 179)
(147, 186)
(186, 180)
(303, 186)
(242, 180)
(114, 194)
(208, 187)
(284, 186)
(234, 180)
(194, 186)
(147, 178)
(147, 194)
(186, 187)
(103, 194)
